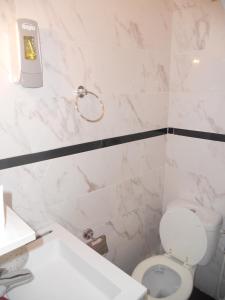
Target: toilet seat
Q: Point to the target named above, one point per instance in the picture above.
(186, 285)
(183, 235)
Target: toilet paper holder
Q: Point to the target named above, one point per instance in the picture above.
(98, 244)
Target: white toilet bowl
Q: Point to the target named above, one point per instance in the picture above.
(188, 236)
(164, 278)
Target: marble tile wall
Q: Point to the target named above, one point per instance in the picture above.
(194, 168)
(197, 66)
(111, 48)
(121, 199)
(114, 54)
(133, 58)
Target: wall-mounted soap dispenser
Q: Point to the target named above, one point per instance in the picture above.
(26, 54)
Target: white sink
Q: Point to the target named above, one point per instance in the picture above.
(66, 268)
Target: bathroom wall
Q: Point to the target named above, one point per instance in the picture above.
(195, 167)
(121, 51)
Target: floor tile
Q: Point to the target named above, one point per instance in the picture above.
(198, 295)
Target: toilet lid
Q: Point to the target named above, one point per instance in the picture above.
(183, 235)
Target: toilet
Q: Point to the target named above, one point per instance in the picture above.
(189, 235)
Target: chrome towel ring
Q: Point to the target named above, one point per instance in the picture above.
(81, 93)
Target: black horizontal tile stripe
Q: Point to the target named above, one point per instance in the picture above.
(199, 134)
(170, 130)
(79, 148)
(99, 144)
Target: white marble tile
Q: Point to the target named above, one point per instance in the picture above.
(120, 162)
(128, 213)
(117, 191)
(126, 69)
(198, 25)
(206, 76)
(202, 111)
(137, 24)
(86, 172)
(196, 100)
(81, 47)
(121, 51)
(194, 170)
(198, 35)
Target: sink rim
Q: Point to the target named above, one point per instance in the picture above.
(129, 287)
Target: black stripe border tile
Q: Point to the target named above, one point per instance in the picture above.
(198, 134)
(79, 148)
(21, 160)
(170, 130)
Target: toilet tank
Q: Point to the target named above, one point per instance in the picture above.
(212, 222)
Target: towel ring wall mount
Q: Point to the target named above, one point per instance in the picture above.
(81, 93)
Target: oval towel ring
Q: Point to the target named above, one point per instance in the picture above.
(81, 93)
